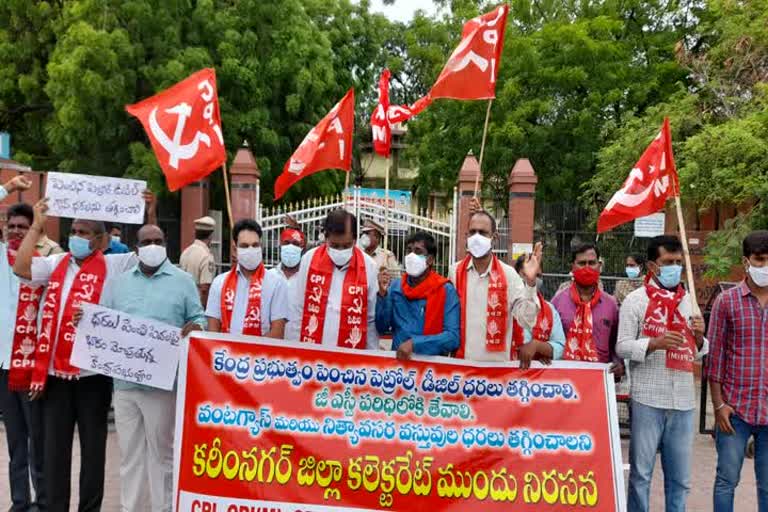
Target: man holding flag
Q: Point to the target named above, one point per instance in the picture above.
(661, 331)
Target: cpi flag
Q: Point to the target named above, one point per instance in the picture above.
(327, 146)
(470, 73)
(184, 126)
(650, 183)
(380, 123)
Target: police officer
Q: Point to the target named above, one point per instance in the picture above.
(197, 259)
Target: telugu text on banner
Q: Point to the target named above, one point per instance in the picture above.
(81, 196)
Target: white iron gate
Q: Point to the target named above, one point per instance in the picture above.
(311, 214)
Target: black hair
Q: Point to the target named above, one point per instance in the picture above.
(245, 225)
(639, 259)
(336, 223)
(520, 261)
(97, 226)
(581, 249)
(203, 234)
(670, 243)
(21, 210)
(484, 212)
(116, 226)
(423, 236)
(755, 243)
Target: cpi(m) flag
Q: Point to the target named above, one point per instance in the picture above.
(470, 73)
(651, 182)
(381, 128)
(184, 126)
(327, 146)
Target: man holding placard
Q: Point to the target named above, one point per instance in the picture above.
(157, 290)
(72, 397)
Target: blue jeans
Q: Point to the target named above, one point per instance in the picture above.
(671, 432)
(730, 457)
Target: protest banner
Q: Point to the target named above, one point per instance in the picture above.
(272, 425)
(126, 347)
(80, 196)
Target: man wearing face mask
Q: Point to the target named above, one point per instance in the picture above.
(661, 339)
(738, 372)
(333, 298)
(292, 245)
(248, 299)
(422, 308)
(158, 290)
(72, 397)
(493, 294)
(590, 316)
(370, 242)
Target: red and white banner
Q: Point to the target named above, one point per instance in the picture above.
(327, 146)
(272, 425)
(381, 127)
(184, 126)
(651, 182)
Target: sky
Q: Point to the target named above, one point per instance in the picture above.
(402, 10)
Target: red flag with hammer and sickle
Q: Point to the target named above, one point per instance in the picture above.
(381, 129)
(651, 182)
(184, 126)
(327, 146)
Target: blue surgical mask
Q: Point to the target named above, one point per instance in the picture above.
(632, 272)
(290, 255)
(80, 247)
(669, 275)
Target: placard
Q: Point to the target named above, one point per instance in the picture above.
(80, 196)
(126, 347)
(650, 225)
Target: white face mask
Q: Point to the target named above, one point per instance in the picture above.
(115, 238)
(415, 264)
(340, 257)
(249, 257)
(153, 255)
(365, 241)
(290, 255)
(478, 245)
(759, 275)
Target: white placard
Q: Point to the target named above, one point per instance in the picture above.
(650, 225)
(80, 196)
(518, 249)
(126, 347)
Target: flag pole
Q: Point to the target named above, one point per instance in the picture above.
(386, 206)
(226, 193)
(482, 145)
(687, 255)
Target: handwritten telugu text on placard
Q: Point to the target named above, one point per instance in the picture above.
(95, 197)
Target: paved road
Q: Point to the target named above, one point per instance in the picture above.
(700, 500)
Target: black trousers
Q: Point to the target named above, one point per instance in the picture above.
(85, 403)
(23, 421)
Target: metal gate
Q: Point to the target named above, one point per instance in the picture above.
(399, 224)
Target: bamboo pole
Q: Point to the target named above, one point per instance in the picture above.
(386, 206)
(226, 192)
(687, 255)
(482, 145)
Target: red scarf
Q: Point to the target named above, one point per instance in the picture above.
(353, 324)
(431, 288)
(662, 315)
(542, 331)
(86, 287)
(497, 308)
(580, 343)
(252, 320)
(24, 335)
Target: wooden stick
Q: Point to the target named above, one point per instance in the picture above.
(386, 206)
(482, 145)
(226, 193)
(687, 255)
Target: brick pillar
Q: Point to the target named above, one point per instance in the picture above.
(195, 202)
(522, 188)
(244, 175)
(470, 169)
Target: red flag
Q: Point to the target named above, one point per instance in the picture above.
(471, 70)
(651, 182)
(327, 146)
(380, 124)
(184, 126)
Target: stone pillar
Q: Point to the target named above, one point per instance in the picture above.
(522, 189)
(244, 176)
(470, 169)
(195, 203)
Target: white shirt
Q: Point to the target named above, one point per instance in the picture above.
(274, 300)
(522, 301)
(333, 308)
(42, 268)
(9, 300)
